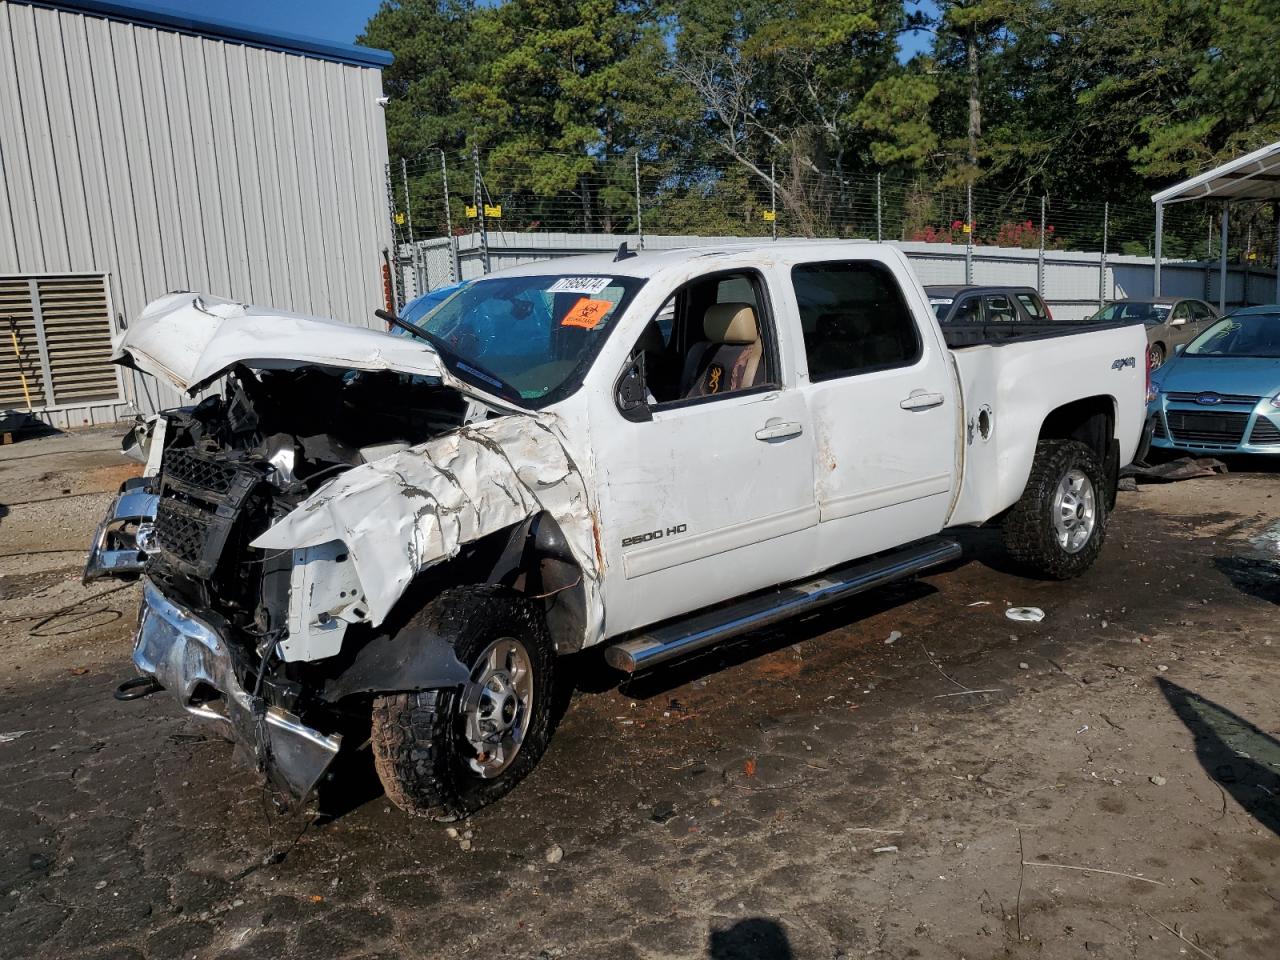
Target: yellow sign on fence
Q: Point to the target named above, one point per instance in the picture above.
(770, 216)
(471, 212)
(399, 219)
(493, 209)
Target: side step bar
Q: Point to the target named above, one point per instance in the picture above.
(683, 637)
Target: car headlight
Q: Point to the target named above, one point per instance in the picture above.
(1275, 401)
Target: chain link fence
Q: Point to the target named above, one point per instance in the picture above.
(487, 196)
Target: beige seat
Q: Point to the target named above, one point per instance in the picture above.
(729, 358)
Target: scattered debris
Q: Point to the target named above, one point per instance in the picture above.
(663, 811)
(894, 636)
(13, 735)
(980, 603)
(1112, 873)
(889, 849)
(1203, 952)
(1159, 781)
(1184, 468)
(749, 768)
(555, 853)
(1162, 667)
(1025, 614)
(1082, 729)
(1024, 666)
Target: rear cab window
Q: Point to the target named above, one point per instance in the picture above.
(1033, 305)
(854, 318)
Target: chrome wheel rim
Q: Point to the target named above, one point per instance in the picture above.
(1157, 358)
(499, 706)
(1074, 511)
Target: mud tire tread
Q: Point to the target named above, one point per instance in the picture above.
(1028, 527)
(414, 739)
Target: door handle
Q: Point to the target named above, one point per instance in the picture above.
(779, 430)
(922, 400)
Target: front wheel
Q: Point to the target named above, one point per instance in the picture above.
(1058, 526)
(444, 754)
(1157, 356)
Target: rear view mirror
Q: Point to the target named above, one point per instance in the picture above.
(631, 395)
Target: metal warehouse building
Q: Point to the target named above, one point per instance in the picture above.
(142, 151)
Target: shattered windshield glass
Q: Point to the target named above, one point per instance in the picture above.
(536, 334)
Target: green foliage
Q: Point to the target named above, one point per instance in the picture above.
(1082, 100)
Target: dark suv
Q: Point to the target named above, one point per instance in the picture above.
(961, 304)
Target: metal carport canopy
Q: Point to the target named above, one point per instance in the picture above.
(1255, 176)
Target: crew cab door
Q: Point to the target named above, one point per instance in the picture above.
(883, 401)
(706, 489)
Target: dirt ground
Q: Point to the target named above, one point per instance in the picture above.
(1105, 783)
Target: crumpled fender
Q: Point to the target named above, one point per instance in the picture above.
(416, 508)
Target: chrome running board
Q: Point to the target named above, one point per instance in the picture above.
(680, 638)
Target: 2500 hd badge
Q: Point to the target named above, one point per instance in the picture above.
(654, 535)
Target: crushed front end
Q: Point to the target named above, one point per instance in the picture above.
(217, 628)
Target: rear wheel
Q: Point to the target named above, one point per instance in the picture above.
(1058, 526)
(1157, 355)
(445, 753)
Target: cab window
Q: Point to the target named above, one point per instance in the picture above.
(998, 308)
(854, 318)
(711, 338)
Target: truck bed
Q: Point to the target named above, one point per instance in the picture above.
(961, 335)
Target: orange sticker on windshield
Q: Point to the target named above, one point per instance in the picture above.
(587, 313)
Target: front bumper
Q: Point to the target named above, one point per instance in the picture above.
(194, 662)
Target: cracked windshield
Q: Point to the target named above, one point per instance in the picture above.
(529, 338)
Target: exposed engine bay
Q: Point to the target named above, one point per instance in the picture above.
(235, 463)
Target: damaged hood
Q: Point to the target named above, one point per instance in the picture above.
(404, 513)
(191, 339)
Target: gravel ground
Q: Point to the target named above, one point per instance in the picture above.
(812, 792)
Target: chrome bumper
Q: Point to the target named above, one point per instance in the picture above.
(191, 660)
(115, 550)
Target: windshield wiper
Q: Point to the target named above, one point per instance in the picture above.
(442, 347)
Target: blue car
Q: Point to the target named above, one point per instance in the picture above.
(1221, 393)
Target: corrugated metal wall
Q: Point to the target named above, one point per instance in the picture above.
(174, 162)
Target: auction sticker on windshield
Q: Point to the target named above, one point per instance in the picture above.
(587, 313)
(588, 285)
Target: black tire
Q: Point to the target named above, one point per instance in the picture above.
(1030, 535)
(1158, 355)
(420, 749)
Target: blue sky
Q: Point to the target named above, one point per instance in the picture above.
(342, 20)
(335, 20)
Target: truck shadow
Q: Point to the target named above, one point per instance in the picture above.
(1243, 760)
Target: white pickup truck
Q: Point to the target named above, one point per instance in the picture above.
(390, 539)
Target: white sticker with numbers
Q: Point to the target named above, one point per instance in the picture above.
(587, 285)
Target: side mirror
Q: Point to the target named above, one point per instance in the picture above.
(630, 393)
(1178, 322)
(1179, 348)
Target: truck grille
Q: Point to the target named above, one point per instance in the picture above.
(200, 473)
(201, 498)
(1219, 428)
(1264, 431)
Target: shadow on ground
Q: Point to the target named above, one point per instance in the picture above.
(1242, 759)
(755, 938)
(1256, 577)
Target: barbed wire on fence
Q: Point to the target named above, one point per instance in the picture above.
(435, 195)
